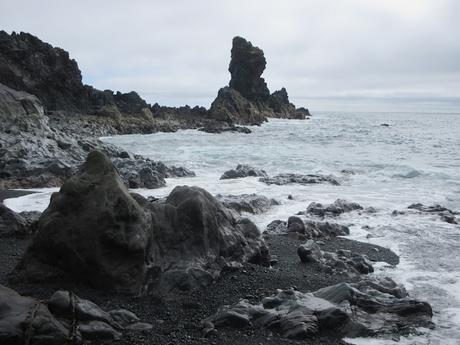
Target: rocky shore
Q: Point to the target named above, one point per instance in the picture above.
(103, 264)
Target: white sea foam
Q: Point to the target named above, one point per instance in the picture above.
(417, 159)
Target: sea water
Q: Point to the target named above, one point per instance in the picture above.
(415, 159)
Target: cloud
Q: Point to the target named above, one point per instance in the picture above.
(329, 55)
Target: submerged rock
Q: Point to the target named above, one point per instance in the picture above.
(64, 318)
(342, 310)
(243, 170)
(445, 214)
(95, 231)
(332, 210)
(283, 179)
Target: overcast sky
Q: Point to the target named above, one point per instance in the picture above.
(329, 54)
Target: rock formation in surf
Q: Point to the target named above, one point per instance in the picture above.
(247, 99)
(95, 231)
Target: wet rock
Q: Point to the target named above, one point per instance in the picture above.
(243, 170)
(325, 229)
(64, 318)
(221, 128)
(332, 210)
(295, 224)
(250, 203)
(352, 310)
(16, 224)
(276, 227)
(283, 179)
(96, 232)
(444, 213)
(309, 252)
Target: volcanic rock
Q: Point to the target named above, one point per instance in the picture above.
(283, 179)
(250, 203)
(96, 232)
(243, 170)
(359, 309)
(332, 210)
(64, 319)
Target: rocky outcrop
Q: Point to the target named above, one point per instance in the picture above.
(283, 179)
(63, 319)
(219, 127)
(246, 67)
(34, 154)
(247, 99)
(249, 203)
(342, 262)
(444, 213)
(360, 309)
(31, 65)
(95, 231)
(241, 171)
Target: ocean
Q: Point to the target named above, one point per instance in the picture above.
(415, 158)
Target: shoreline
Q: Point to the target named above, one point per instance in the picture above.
(176, 317)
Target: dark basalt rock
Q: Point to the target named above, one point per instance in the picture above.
(283, 179)
(17, 224)
(342, 310)
(28, 64)
(96, 232)
(243, 170)
(63, 319)
(342, 262)
(247, 100)
(249, 203)
(231, 107)
(217, 128)
(307, 228)
(332, 210)
(446, 215)
(246, 66)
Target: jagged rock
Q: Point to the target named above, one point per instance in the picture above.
(243, 170)
(279, 102)
(64, 318)
(16, 224)
(231, 107)
(342, 310)
(246, 66)
(214, 127)
(276, 227)
(95, 231)
(325, 229)
(283, 179)
(342, 262)
(307, 228)
(250, 203)
(295, 224)
(446, 215)
(28, 64)
(332, 210)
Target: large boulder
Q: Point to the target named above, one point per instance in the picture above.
(95, 231)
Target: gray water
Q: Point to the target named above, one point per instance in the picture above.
(415, 159)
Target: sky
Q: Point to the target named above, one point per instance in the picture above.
(331, 55)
